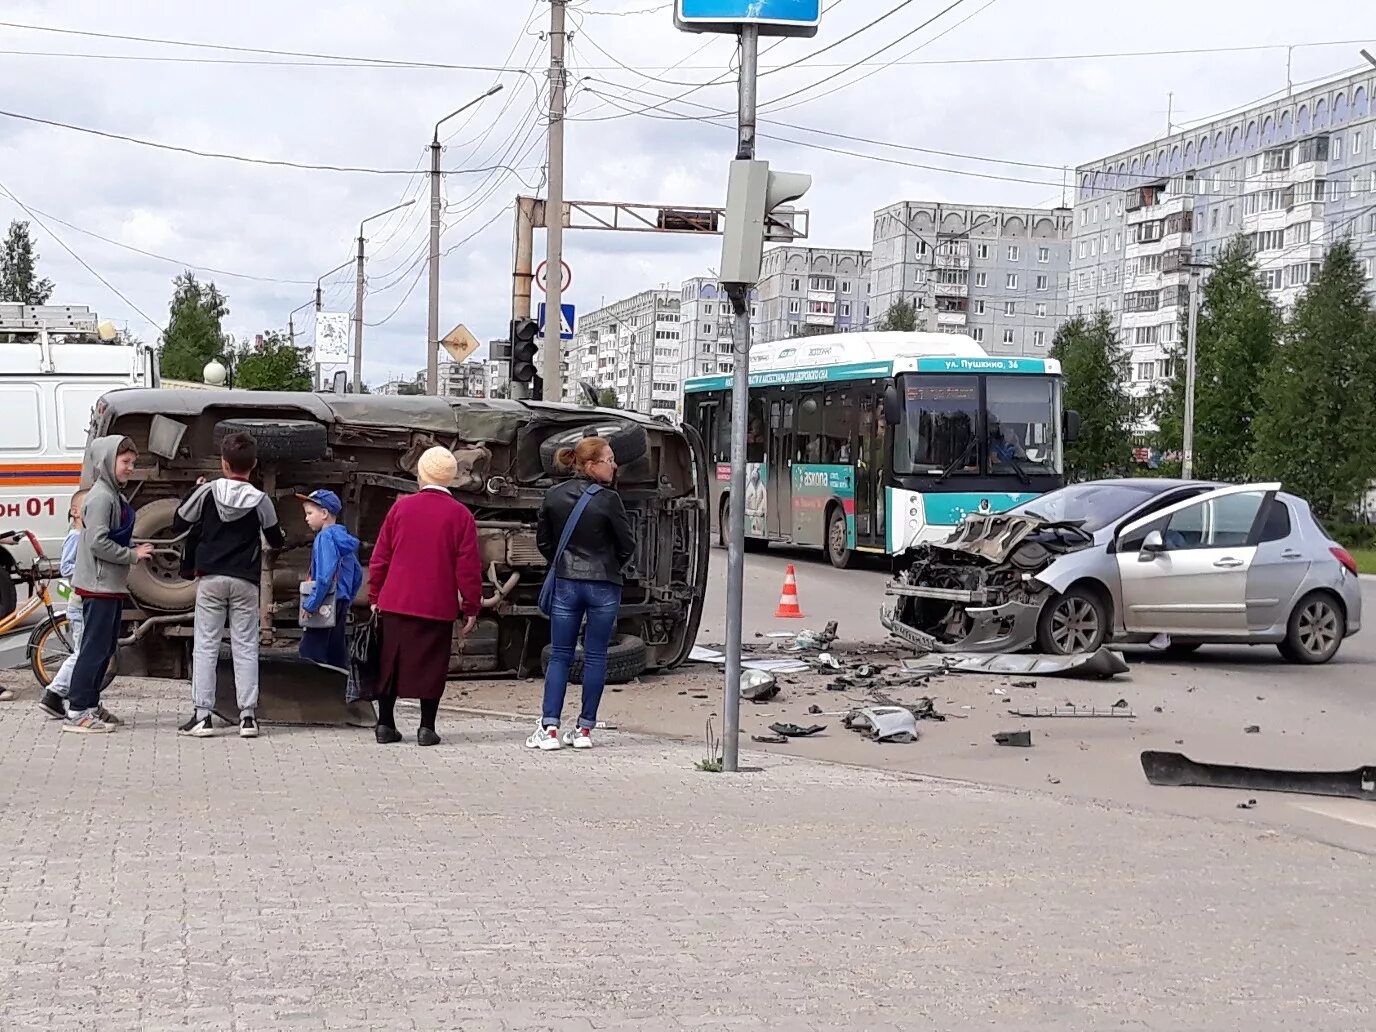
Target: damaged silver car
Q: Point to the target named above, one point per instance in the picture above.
(1178, 564)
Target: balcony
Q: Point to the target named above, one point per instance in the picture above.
(952, 261)
(951, 289)
(951, 318)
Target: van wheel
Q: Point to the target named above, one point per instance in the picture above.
(627, 658)
(279, 440)
(158, 583)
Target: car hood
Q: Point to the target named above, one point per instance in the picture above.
(994, 537)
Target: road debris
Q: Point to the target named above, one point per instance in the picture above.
(1071, 710)
(1252, 729)
(1121, 704)
(758, 686)
(1176, 769)
(769, 739)
(703, 654)
(1019, 739)
(1248, 805)
(796, 731)
(814, 709)
(828, 661)
(884, 723)
(815, 639)
(1099, 665)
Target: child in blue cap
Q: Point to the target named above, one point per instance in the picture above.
(334, 568)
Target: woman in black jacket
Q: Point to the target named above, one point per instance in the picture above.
(587, 583)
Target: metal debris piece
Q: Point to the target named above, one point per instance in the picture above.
(1020, 739)
(1252, 729)
(701, 654)
(1098, 665)
(1071, 710)
(884, 723)
(769, 739)
(1121, 704)
(1248, 805)
(827, 660)
(1022, 684)
(796, 731)
(758, 685)
(1165, 768)
(814, 708)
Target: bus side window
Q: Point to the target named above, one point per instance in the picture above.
(757, 431)
(838, 428)
(722, 438)
(810, 439)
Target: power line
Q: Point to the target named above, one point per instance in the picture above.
(80, 261)
(231, 157)
(847, 38)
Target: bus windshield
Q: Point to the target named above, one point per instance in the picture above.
(996, 425)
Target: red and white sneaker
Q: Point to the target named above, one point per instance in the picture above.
(546, 738)
(578, 738)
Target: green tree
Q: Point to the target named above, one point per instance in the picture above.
(275, 366)
(1314, 432)
(19, 269)
(1095, 367)
(902, 315)
(195, 332)
(1239, 328)
(607, 398)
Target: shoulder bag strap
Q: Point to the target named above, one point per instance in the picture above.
(572, 522)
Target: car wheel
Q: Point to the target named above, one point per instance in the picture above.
(279, 440)
(627, 658)
(158, 583)
(838, 550)
(1072, 623)
(1316, 629)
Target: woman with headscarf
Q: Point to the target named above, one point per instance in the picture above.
(425, 571)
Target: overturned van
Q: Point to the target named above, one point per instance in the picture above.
(364, 448)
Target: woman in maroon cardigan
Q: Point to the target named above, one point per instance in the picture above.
(424, 571)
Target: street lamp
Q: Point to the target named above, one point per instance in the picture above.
(358, 294)
(432, 367)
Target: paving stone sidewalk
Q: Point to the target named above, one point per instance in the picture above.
(314, 880)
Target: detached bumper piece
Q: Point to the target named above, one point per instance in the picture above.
(1177, 769)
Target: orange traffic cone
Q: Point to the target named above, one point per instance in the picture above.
(788, 601)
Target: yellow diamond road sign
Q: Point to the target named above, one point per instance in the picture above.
(459, 343)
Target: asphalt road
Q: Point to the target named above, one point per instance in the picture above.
(1309, 718)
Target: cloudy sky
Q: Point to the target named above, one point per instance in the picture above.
(932, 94)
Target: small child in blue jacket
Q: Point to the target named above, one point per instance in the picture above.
(54, 700)
(334, 566)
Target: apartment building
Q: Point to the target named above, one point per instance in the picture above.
(809, 290)
(460, 379)
(1292, 175)
(632, 347)
(705, 327)
(998, 274)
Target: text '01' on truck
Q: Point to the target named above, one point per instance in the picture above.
(364, 448)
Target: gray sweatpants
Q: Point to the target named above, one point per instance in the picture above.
(221, 601)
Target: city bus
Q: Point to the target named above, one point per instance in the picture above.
(878, 442)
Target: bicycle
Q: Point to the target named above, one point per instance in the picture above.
(50, 643)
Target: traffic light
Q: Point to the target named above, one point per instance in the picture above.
(756, 211)
(525, 350)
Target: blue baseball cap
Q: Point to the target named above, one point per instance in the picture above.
(327, 500)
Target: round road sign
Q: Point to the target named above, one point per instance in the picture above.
(566, 279)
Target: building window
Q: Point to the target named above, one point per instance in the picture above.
(845, 286)
(795, 284)
(1094, 248)
(978, 334)
(1043, 254)
(921, 249)
(1042, 281)
(978, 308)
(844, 308)
(1299, 233)
(754, 311)
(823, 283)
(1083, 250)
(1370, 264)
(708, 329)
(981, 279)
(1094, 214)
(981, 250)
(1008, 336)
(1335, 148)
(1010, 308)
(1011, 283)
(1013, 252)
(794, 307)
(1040, 310)
(1357, 142)
(1144, 370)
(1084, 216)
(707, 308)
(1039, 339)
(1213, 219)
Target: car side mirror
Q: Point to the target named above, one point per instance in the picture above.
(1072, 427)
(1152, 546)
(893, 407)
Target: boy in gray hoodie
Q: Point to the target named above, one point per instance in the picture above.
(101, 579)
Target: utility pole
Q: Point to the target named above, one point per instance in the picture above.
(1191, 355)
(358, 294)
(432, 368)
(554, 207)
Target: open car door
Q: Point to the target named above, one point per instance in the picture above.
(1184, 569)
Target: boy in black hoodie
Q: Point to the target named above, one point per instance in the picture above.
(225, 522)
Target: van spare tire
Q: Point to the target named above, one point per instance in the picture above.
(279, 440)
(627, 658)
(628, 441)
(158, 583)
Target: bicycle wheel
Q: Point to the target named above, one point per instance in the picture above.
(49, 646)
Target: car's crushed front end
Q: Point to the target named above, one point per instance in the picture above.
(978, 591)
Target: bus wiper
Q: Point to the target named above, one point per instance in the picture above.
(956, 463)
(1022, 473)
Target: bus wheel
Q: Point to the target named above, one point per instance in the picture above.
(837, 549)
(722, 517)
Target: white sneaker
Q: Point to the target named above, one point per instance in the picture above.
(578, 738)
(546, 738)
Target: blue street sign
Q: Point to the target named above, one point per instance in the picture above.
(565, 324)
(774, 17)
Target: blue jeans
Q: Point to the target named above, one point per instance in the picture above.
(573, 599)
(62, 683)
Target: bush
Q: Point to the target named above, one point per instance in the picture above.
(1353, 535)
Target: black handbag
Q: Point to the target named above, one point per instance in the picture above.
(365, 661)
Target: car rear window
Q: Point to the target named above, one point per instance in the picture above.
(1277, 526)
